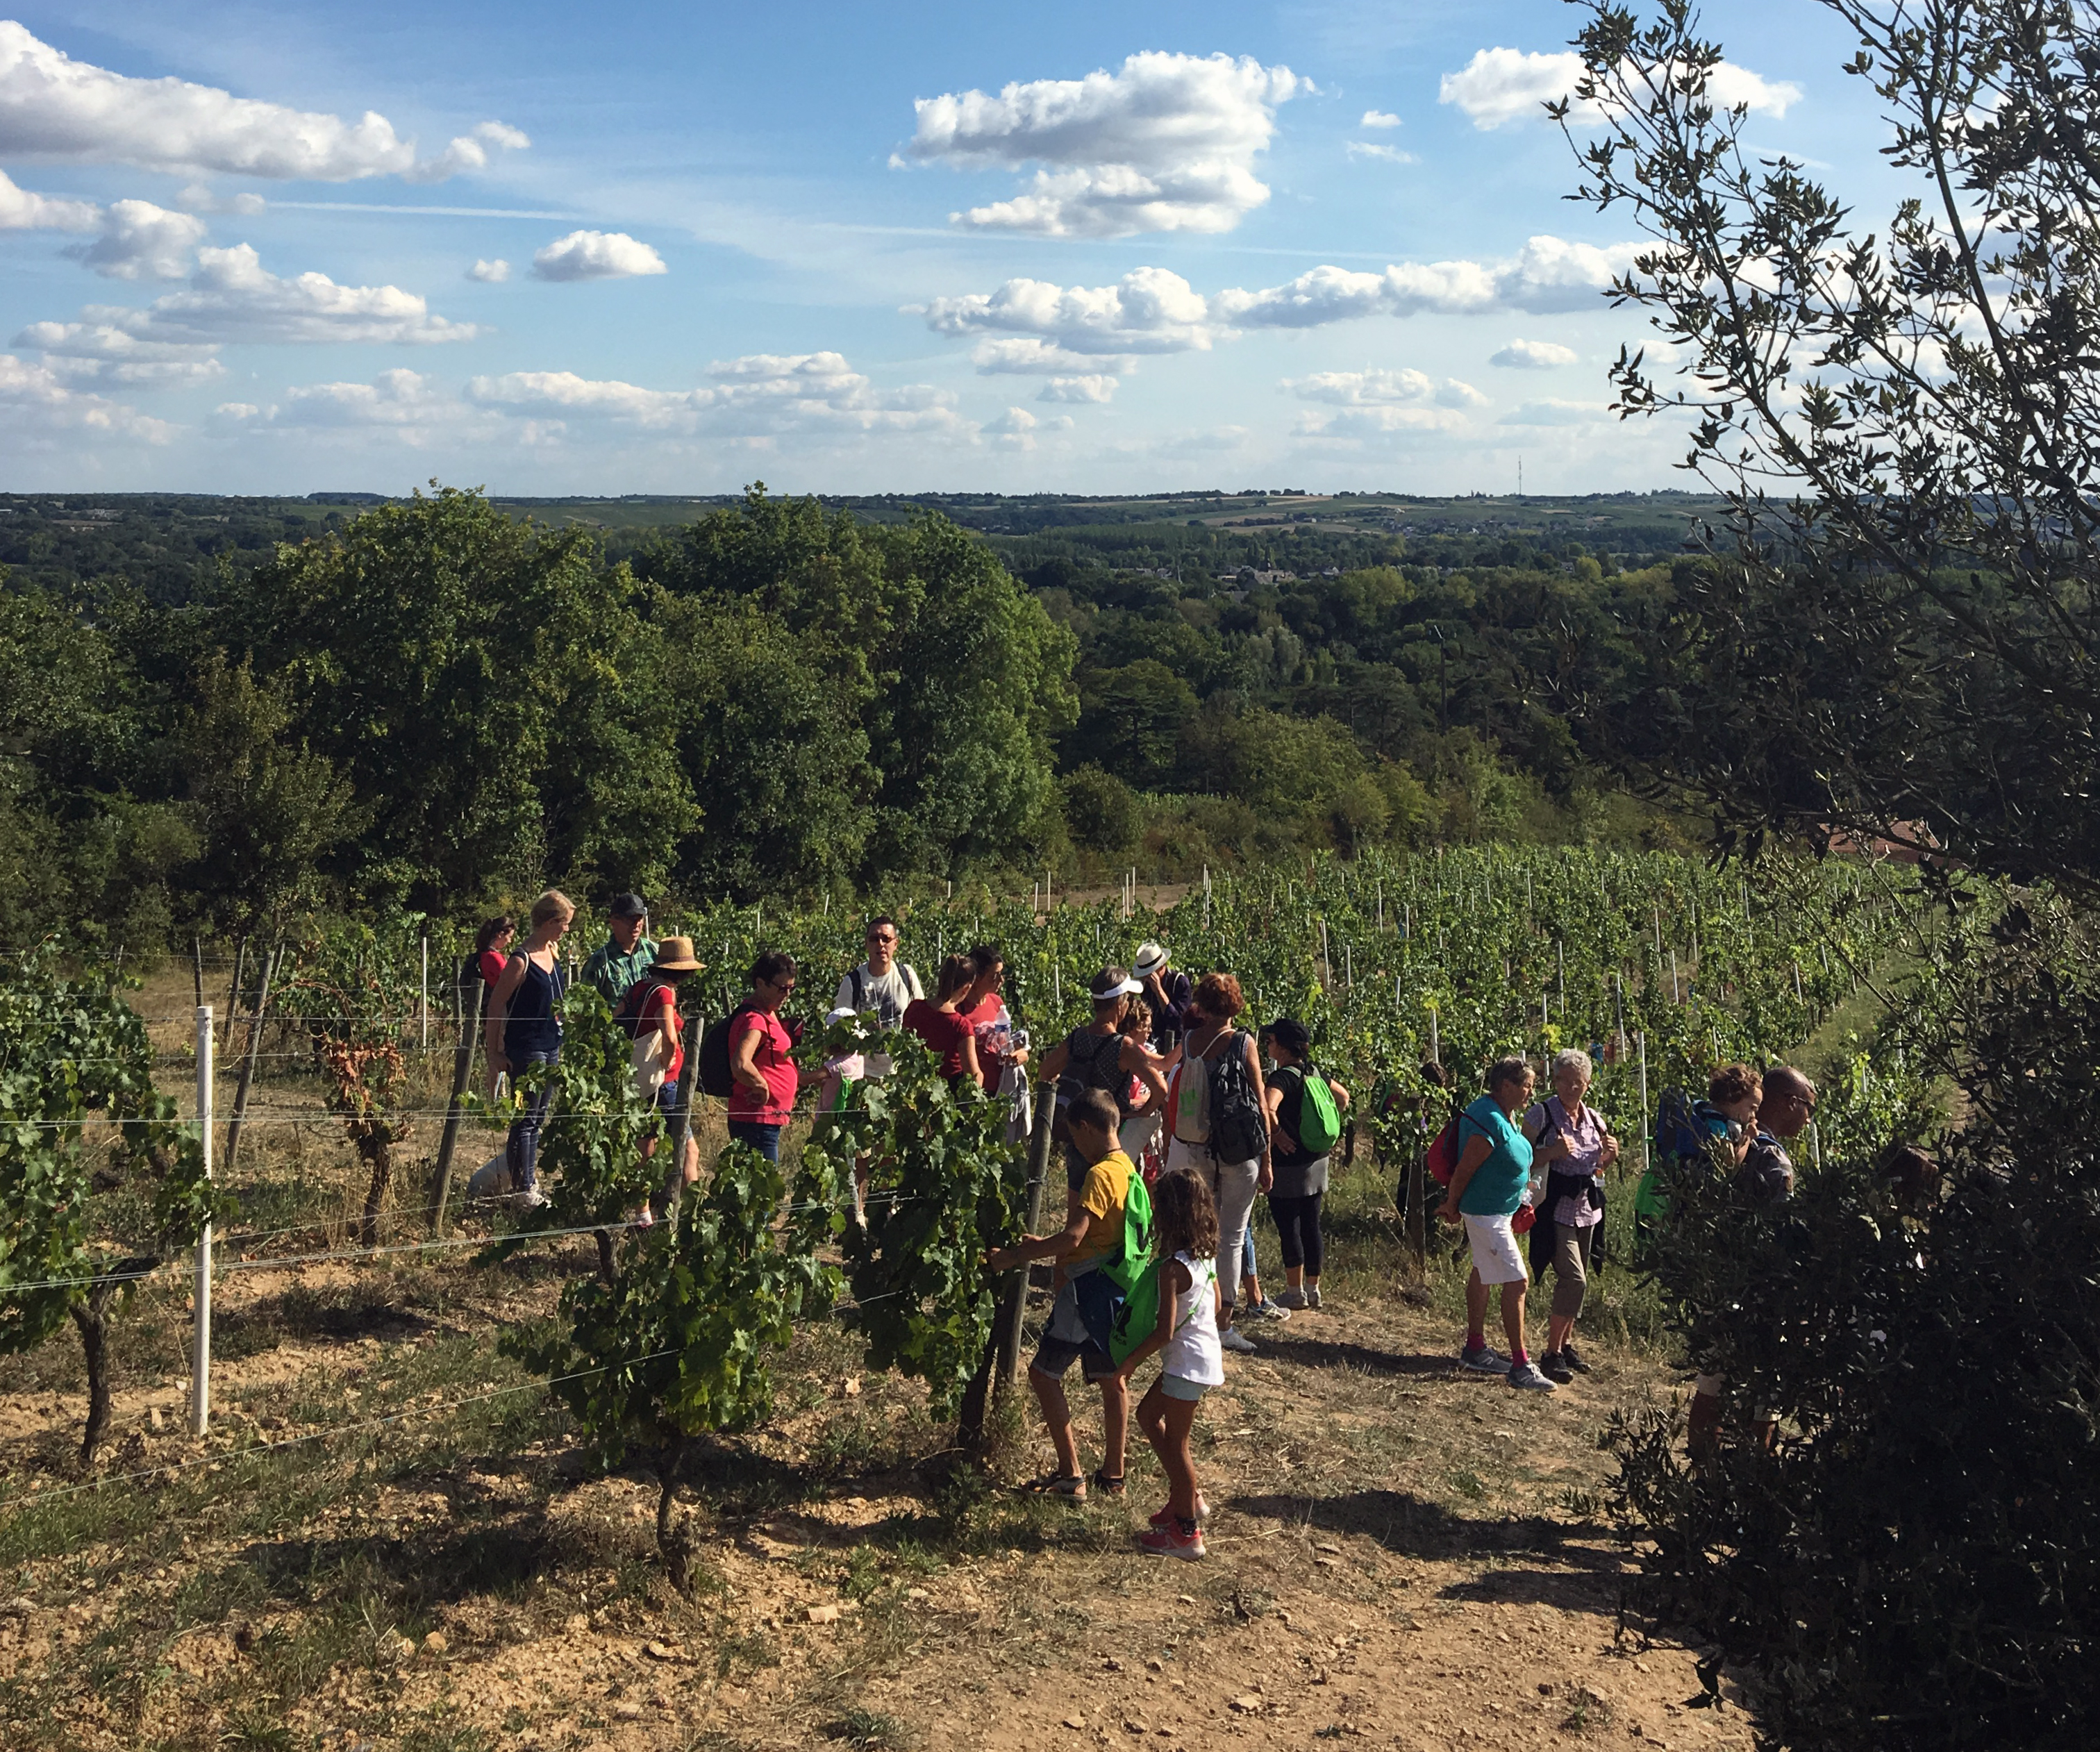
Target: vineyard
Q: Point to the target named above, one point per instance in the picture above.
(678, 1352)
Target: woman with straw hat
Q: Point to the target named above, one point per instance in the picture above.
(649, 1012)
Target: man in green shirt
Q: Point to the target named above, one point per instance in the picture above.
(628, 951)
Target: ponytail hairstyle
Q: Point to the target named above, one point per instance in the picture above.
(958, 974)
(1185, 1219)
(484, 939)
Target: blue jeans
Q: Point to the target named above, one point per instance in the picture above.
(522, 1148)
(1248, 1266)
(764, 1139)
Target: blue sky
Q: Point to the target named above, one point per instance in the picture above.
(1089, 248)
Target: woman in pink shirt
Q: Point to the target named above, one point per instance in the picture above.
(761, 1058)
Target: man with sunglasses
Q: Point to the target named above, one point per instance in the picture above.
(761, 1058)
(882, 984)
(1788, 1105)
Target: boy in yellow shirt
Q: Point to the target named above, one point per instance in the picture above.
(1086, 1300)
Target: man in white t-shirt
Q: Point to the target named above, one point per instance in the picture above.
(882, 984)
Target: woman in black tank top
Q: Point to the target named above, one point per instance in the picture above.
(524, 1029)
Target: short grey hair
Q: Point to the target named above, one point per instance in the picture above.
(1572, 1058)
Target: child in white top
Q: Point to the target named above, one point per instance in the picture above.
(1185, 1226)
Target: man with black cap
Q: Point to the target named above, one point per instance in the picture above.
(627, 951)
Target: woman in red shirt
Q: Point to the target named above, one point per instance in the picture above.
(937, 1023)
(491, 947)
(761, 1058)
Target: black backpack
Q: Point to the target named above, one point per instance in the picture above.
(1239, 1131)
(1084, 1071)
(714, 1071)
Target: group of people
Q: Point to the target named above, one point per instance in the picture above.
(637, 975)
(1162, 1087)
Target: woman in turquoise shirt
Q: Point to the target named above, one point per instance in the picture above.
(1487, 1188)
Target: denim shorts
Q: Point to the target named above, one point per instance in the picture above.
(1070, 1337)
(1180, 1387)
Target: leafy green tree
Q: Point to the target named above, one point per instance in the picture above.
(87, 845)
(267, 811)
(1101, 812)
(773, 744)
(1131, 720)
(960, 678)
(1898, 634)
(489, 690)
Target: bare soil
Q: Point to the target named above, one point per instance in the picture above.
(391, 1540)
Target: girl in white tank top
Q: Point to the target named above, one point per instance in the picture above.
(1192, 1361)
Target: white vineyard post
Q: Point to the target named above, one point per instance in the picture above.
(1435, 1051)
(426, 995)
(1642, 1039)
(200, 1357)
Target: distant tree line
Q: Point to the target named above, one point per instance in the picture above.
(435, 704)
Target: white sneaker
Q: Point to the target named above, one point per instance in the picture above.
(1232, 1339)
(1527, 1378)
(1313, 1295)
(532, 1198)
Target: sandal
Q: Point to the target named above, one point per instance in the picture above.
(1058, 1484)
(1108, 1486)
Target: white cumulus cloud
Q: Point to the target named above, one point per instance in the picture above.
(1014, 430)
(233, 298)
(490, 273)
(1150, 310)
(1031, 356)
(1533, 356)
(1035, 326)
(99, 350)
(53, 107)
(760, 396)
(142, 241)
(1387, 154)
(596, 255)
(404, 403)
(1354, 425)
(1165, 143)
(22, 211)
(1379, 118)
(38, 403)
(1090, 386)
(1547, 274)
(1383, 387)
(1501, 85)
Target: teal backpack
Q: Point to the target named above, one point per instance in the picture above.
(1319, 1119)
(1136, 1272)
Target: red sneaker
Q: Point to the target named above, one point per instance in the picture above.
(1182, 1539)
